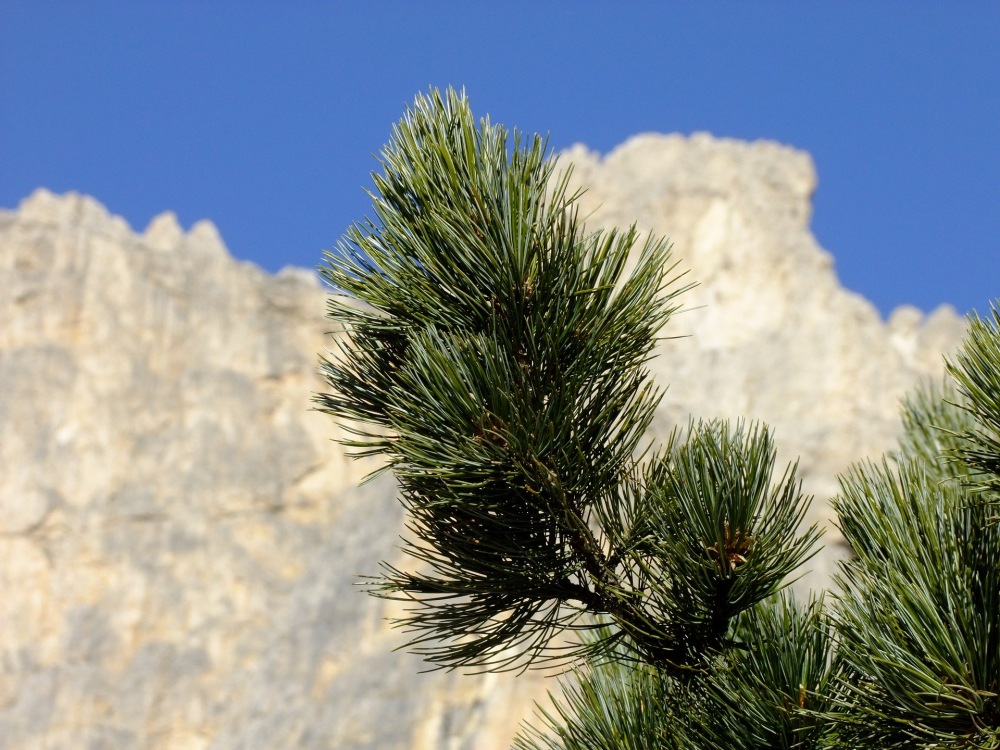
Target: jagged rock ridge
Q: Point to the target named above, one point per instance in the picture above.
(179, 535)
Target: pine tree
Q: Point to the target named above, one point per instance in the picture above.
(493, 353)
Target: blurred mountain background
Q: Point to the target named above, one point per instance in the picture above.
(180, 536)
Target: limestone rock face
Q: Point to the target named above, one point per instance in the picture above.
(180, 537)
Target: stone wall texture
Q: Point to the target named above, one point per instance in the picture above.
(180, 537)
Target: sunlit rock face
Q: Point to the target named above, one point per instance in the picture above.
(180, 537)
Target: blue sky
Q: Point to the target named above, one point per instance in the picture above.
(264, 116)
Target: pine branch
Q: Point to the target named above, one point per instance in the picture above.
(769, 694)
(495, 356)
(977, 375)
(918, 610)
(494, 352)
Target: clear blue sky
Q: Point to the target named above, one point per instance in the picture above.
(264, 116)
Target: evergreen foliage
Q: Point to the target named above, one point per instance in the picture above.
(493, 350)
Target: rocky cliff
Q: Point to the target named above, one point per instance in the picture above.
(179, 537)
